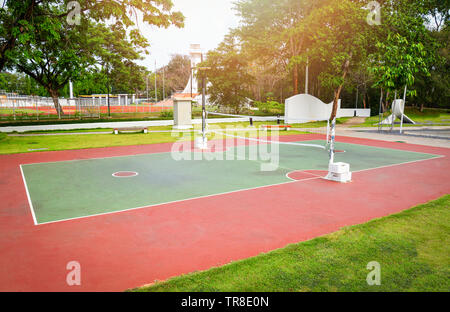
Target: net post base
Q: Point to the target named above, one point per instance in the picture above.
(201, 143)
(339, 172)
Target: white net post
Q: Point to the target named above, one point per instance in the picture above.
(332, 137)
(393, 111)
(403, 111)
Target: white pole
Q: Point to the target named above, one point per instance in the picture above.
(333, 134)
(393, 108)
(156, 91)
(164, 86)
(403, 111)
(307, 75)
(328, 131)
(71, 89)
(147, 88)
(37, 111)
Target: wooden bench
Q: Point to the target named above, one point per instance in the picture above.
(130, 129)
(285, 127)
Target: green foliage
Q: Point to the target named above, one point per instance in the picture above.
(36, 38)
(404, 48)
(270, 107)
(228, 76)
(166, 114)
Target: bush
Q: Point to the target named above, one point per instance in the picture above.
(270, 107)
(166, 114)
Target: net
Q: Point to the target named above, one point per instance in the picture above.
(262, 139)
(317, 130)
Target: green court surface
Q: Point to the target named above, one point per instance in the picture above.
(72, 189)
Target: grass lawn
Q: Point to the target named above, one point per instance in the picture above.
(13, 144)
(427, 116)
(412, 248)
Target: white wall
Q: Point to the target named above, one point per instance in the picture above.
(350, 112)
(303, 108)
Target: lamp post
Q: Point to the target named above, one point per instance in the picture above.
(147, 86)
(156, 91)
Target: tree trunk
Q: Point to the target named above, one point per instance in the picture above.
(386, 102)
(337, 92)
(421, 107)
(337, 95)
(55, 96)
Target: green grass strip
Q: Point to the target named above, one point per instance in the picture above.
(412, 248)
(26, 144)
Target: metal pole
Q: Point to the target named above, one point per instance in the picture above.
(37, 111)
(380, 112)
(307, 75)
(156, 91)
(393, 113)
(203, 104)
(332, 134)
(164, 85)
(403, 112)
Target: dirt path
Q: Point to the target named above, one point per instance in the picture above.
(352, 122)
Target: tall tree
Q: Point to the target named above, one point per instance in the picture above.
(275, 32)
(177, 73)
(54, 54)
(228, 77)
(19, 18)
(52, 48)
(401, 53)
(339, 36)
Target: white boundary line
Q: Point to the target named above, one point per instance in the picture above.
(170, 202)
(141, 154)
(304, 171)
(404, 163)
(206, 196)
(135, 174)
(219, 194)
(28, 196)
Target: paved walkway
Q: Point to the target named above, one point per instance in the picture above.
(438, 136)
(372, 133)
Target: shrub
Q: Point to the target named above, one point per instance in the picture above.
(270, 107)
(166, 114)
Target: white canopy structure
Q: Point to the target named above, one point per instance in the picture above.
(305, 107)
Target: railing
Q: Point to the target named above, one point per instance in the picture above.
(24, 107)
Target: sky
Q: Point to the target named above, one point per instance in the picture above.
(206, 23)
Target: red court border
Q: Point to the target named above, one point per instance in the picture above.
(132, 248)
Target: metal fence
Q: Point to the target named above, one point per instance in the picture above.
(25, 107)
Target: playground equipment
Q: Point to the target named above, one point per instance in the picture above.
(398, 109)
